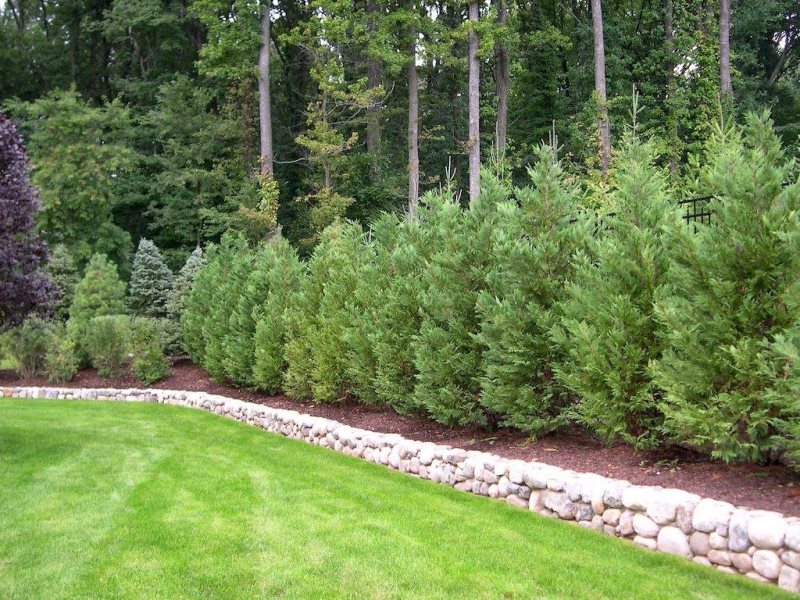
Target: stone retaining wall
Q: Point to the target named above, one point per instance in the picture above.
(762, 545)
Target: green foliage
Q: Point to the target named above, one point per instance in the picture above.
(147, 344)
(80, 153)
(730, 314)
(60, 359)
(316, 350)
(184, 280)
(107, 340)
(64, 273)
(151, 281)
(533, 243)
(608, 331)
(265, 290)
(99, 292)
(282, 279)
(29, 343)
(448, 357)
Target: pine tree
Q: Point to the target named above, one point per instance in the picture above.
(100, 292)
(729, 369)
(532, 247)
(608, 329)
(182, 286)
(24, 286)
(151, 281)
(64, 273)
(447, 356)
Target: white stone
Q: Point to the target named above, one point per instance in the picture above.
(644, 526)
(515, 500)
(611, 516)
(699, 543)
(738, 540)
(664, 505)
(789, 579)
(720, 557)
(625, 527)
(673, 541)
(649, 543)
(767, 530)
(791, 558)
(792, 539)
(711, 515)
(767, 564)
(742, 561)
(638, 497)
(717, 541)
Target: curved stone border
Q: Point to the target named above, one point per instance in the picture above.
(763, 545)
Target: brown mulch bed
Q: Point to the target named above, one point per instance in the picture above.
(772, 487)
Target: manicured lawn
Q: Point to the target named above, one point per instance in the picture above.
(110, 500)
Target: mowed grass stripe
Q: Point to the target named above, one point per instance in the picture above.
(114, 500)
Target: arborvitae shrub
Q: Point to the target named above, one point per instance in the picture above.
(532, 247)
(147, 344)
(151, 281)
(28, 345)
(608, 329)
(232, 266)
(316, 351)
(196, 303)
(363, 322)
(282, 279)
(239, 343)
(99, 292)
(106, 339)
(401, 253)
(60, 360)
(730, 370)
(184, 280)
(448, 357)
(64, 273)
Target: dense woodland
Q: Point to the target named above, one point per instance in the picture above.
(158, 118)
(467, 211)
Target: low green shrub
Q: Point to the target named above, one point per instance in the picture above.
(61, 360)
(28, 344)
(107, 339)
(148, 340)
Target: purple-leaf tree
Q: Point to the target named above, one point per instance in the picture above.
(24, 286)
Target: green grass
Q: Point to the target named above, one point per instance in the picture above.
(111, 500)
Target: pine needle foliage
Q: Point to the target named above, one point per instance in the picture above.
(730, 318)
(151, 281)
(533, 244)
(608, 330)
(447, 355)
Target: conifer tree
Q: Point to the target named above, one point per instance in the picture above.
(532, 247)
(447, 357)
(182, 286)
(282, 281)
(608, 329)
(731, 316)
(402, 251)
(64, 273)
(151, 281)
(196, 303)
(316, 348)
(100, 292)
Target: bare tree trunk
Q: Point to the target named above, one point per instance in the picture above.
(502, 79)
(725, 49)
(600, 86)
(373, 114)
(413, 128)
(474, 106)
(264, 103)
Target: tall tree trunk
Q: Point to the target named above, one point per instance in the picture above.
(600, 86)
(474, 105)
(502, 80)
(264, 102)
(373, 114)
(413, 127)
(725, 49)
